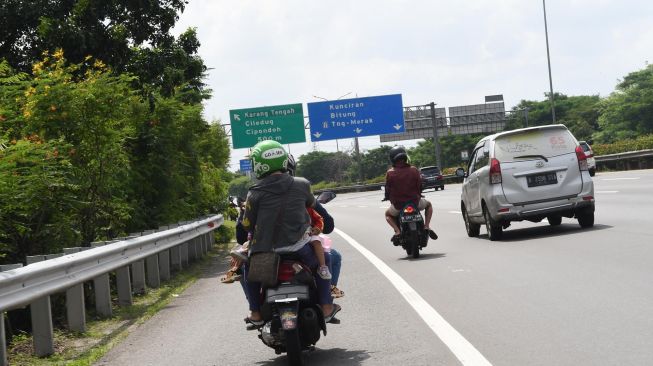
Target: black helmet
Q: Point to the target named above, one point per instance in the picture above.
(292, 165)
(396, 153)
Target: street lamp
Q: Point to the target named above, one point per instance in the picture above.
(548, 57)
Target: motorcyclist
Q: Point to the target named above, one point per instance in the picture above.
(264, 201)
(403, 183)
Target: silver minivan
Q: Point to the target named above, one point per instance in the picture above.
(526, 174)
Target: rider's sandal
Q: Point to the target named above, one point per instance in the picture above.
(432, 234)
(336, 309)
(336, 292)
(230, 277)
(253, 324)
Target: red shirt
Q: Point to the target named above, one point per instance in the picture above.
(403, 183)
(316, 219)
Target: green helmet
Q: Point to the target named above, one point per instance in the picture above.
(268, 156)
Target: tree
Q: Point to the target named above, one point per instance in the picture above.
(104, 29)
(628, 112)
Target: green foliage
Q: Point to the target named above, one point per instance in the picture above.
(579, 113)
(226, 232)
(373, 162)
(639, 143)
(238, 186)
(37, 191)
(628, 112)
(85, 158)
(320, 166)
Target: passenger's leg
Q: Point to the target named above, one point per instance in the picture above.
(323, 286)
(253, 296)
(391, 220)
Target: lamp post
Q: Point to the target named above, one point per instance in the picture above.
(548, 58)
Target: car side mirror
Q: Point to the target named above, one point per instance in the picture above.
(460, 172)
(326, 196)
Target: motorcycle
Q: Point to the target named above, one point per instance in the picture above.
(411, 225)
(293, 319)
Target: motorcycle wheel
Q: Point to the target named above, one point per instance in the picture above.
(414, 244)
(293, 348)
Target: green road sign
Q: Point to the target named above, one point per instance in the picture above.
(282, 123)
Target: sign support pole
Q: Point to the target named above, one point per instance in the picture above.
(436, 140)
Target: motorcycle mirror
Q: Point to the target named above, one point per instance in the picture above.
(325, 197)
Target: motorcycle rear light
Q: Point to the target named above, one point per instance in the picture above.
(409, 210)
(582, 158)
(286, 272)
(495, 171)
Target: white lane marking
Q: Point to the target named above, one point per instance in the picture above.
(455, 212)
(621, 178)
(459, 346)
(607, 191)
(362, 206)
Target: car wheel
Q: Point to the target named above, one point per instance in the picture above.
(554, 220)
(472, 229)
(592, 172)
(442, 188)
(585, 217)
(494, 229)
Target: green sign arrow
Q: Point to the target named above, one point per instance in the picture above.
(282, 123)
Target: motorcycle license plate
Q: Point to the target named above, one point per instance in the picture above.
(288, 319)
(411, 218)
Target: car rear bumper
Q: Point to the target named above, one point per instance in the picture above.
(566, 206)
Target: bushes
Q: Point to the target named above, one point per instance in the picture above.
(640, 143)
(84, 157)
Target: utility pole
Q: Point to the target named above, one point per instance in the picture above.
(436, 140)
(548, 58)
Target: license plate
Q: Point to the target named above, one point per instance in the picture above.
(541, 179)
(411, 218)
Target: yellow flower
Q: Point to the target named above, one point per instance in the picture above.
(58, 54)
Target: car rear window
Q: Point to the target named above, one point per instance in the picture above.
(430, 171)
(546, 142)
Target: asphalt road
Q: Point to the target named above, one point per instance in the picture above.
(542, 296)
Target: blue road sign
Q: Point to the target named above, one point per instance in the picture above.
(245, 165)
(348, 118)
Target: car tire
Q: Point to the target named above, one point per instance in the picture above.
(442, 188)
(472, 229)
(494, 229)
(585, 217)
(554, 220)
(592, 172)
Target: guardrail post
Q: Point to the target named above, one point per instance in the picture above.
(102, 289)
(138, 277)
(184, 254)
(152, 267)
(41, 314)
(123, 282)
(4, 359)
(75, 308)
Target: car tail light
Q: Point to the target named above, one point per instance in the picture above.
(582, 158)
(286, 272)
(409, 209)
(439, 177)
(495, 171)
(588, 198)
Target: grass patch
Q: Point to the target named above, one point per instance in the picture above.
(83, 349)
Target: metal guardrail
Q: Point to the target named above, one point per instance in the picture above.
(625, 155)
(150, 257)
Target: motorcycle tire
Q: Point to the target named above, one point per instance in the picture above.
(414, 244)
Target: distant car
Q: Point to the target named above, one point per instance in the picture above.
(526, 174)
(432, 178)
(591, 162)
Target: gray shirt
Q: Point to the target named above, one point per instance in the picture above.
(263, 205)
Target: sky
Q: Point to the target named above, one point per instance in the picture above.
(275, 52)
